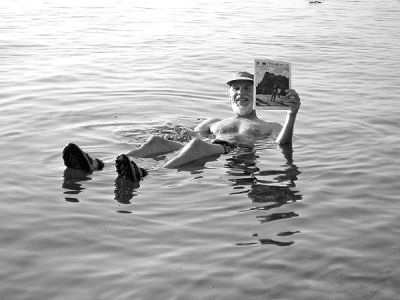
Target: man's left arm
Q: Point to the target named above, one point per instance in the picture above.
(204, 127)
(292, 100)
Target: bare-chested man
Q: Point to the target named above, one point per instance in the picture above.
(243, 129)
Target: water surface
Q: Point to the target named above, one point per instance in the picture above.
(318, 221)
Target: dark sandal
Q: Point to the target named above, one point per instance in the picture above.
(128, 169)
(75, 158)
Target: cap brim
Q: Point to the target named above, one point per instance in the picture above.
(239, 79)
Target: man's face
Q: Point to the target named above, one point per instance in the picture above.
(241, 97)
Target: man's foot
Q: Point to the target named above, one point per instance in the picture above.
(128, 169)
(75, 158)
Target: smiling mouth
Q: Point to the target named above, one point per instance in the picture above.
(242, 100)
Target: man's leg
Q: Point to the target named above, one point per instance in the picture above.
(155, 145)
(194, 150)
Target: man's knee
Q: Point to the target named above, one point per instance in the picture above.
(154, 138)
(160, 144)
(195, 142)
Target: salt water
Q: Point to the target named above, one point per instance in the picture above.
(318, 222)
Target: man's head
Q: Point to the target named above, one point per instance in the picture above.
(241, 93)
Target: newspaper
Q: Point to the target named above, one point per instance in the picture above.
(271, 79)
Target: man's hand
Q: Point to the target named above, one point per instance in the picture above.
(291, 99)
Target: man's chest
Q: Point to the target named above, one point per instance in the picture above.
(240, 126)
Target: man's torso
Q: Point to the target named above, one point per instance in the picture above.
(241, 126)
(241, 130)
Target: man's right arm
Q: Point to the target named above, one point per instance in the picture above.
(291, 99)
(204, 127)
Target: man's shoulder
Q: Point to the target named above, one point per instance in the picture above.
(227, 120)
(210, 121)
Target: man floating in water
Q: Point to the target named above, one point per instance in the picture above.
(243, 129)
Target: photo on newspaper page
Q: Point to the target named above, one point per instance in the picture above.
(271, 79)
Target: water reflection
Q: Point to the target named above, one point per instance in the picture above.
(72, 183)
(123, 193)
(268, 189)
(124, 190)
